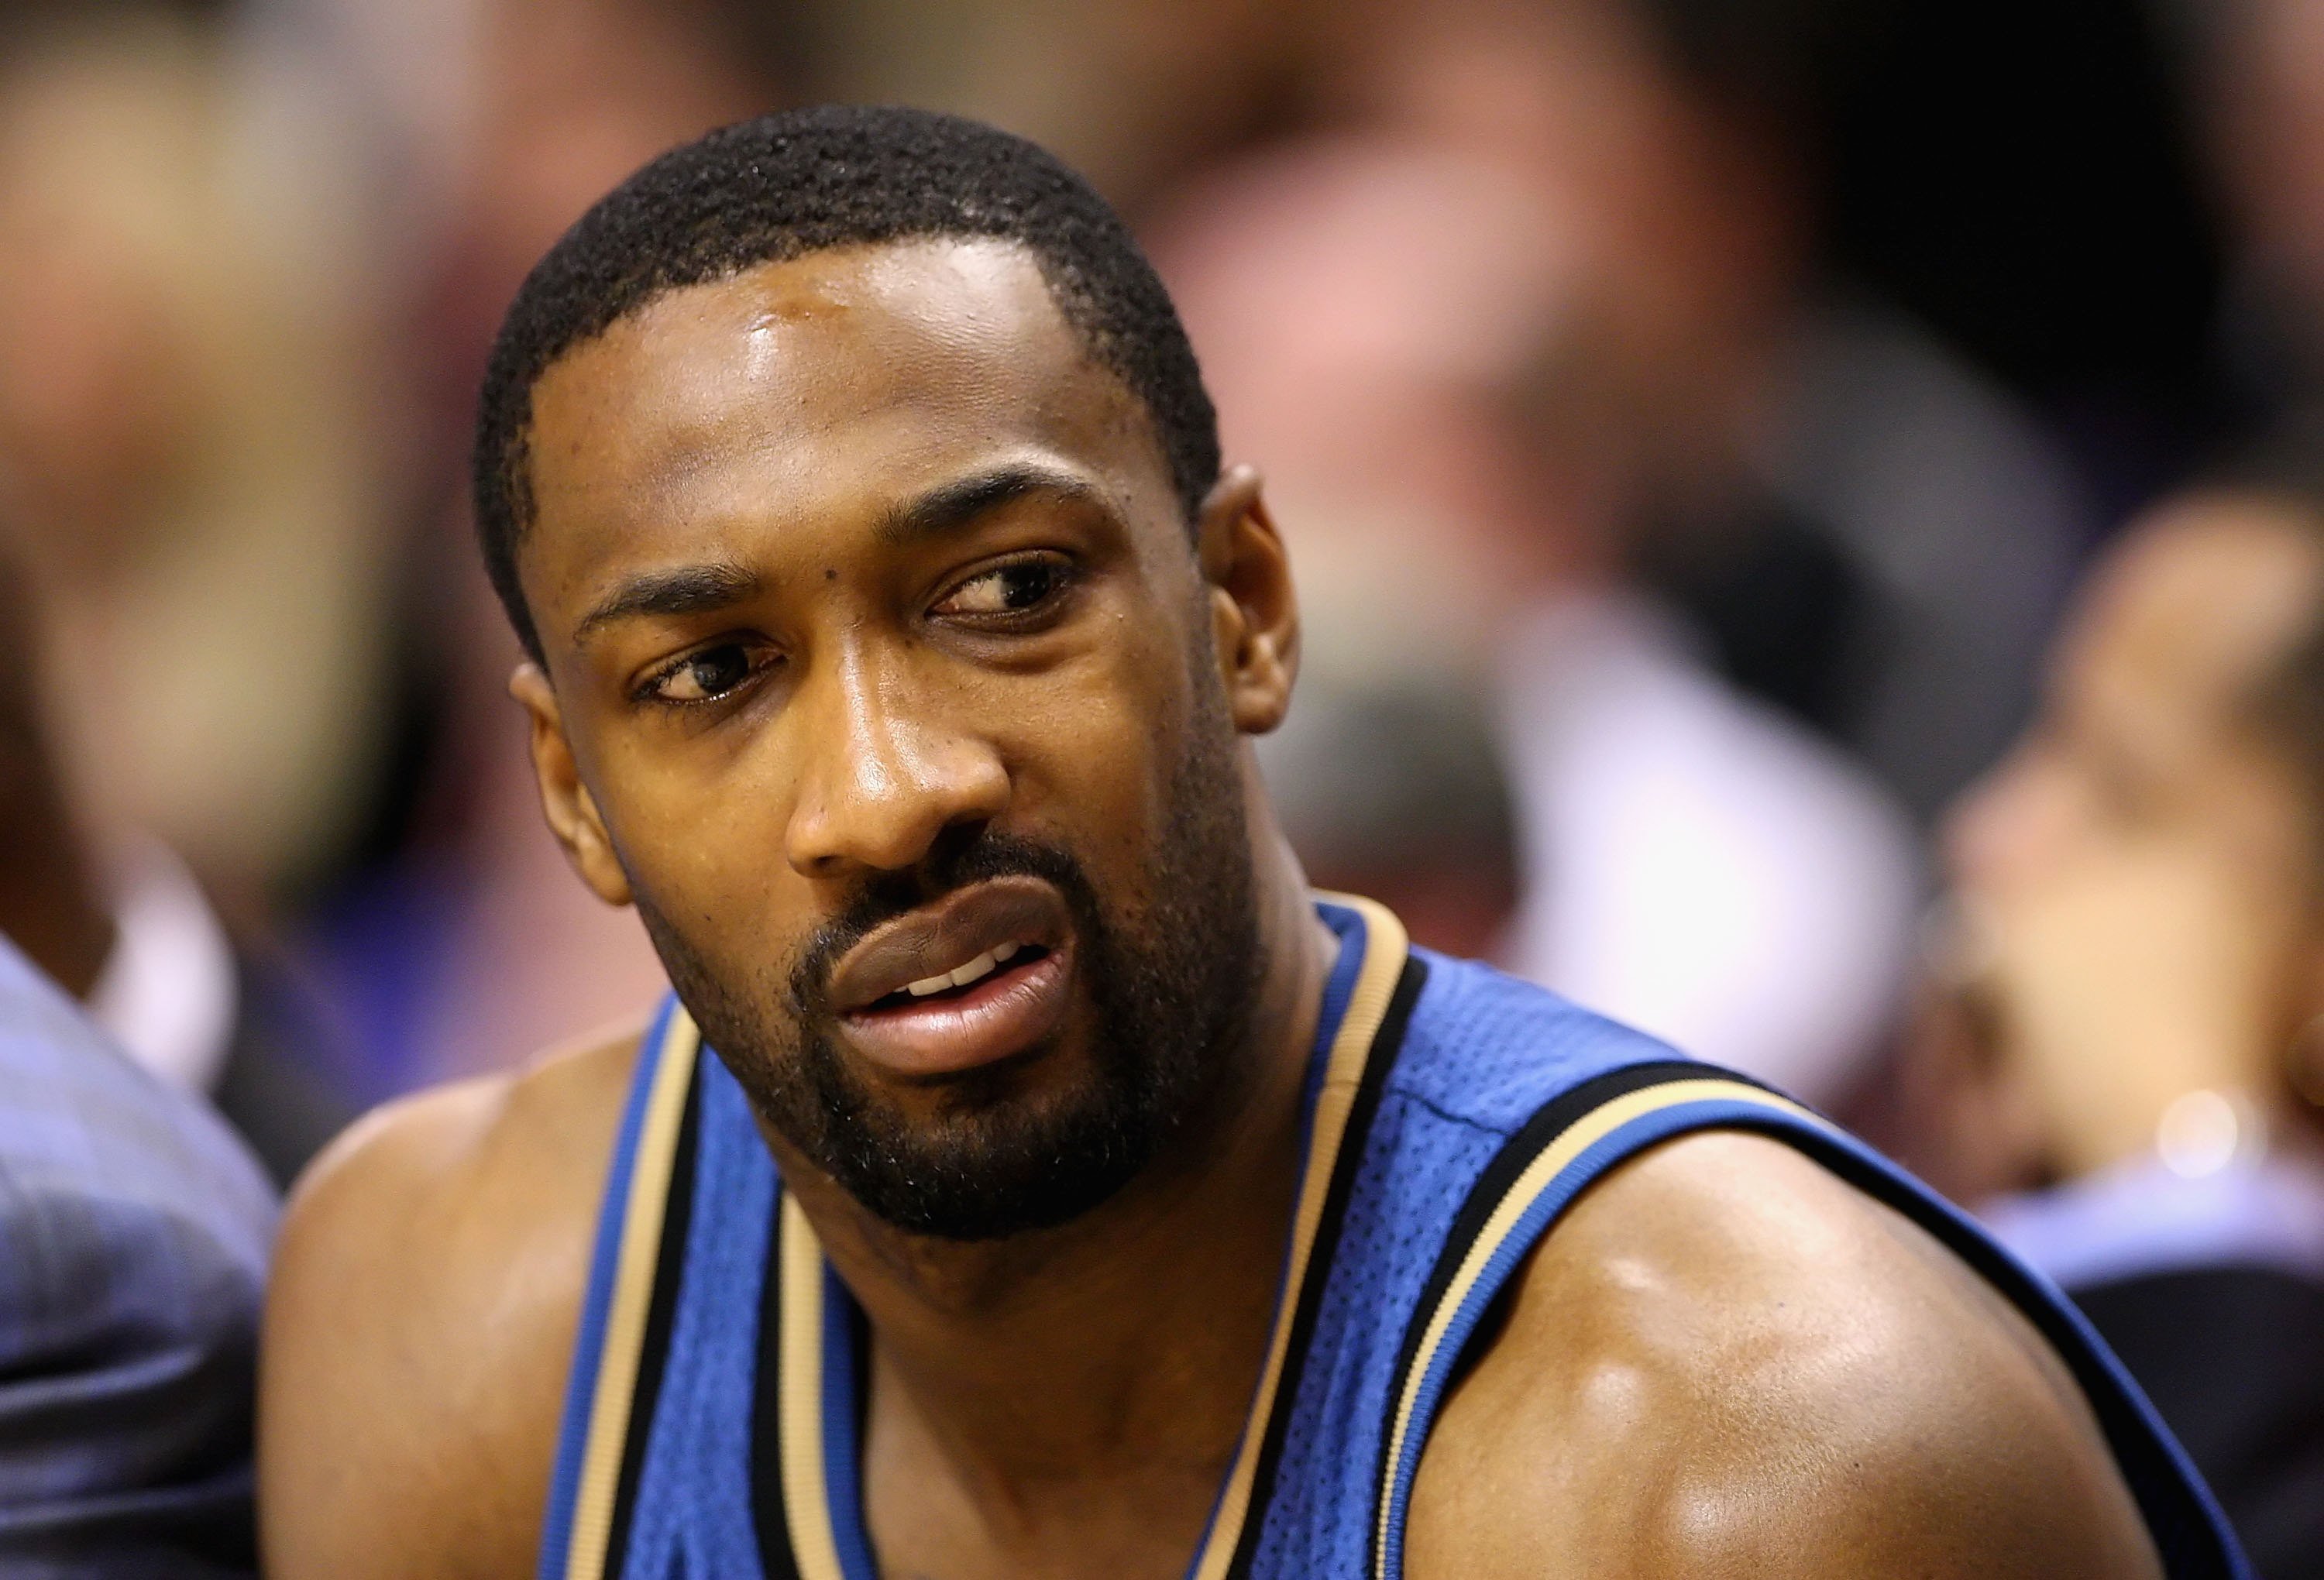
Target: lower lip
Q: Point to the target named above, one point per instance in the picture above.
(997, 1018)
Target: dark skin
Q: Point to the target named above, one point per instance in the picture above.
(1665, 1400)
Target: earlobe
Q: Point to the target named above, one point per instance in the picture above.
(565, 801)
(1254, 611)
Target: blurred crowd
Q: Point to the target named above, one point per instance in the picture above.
(1810, 515)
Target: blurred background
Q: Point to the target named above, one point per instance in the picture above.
(1807, 508)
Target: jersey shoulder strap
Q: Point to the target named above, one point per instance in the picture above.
(627, 1309)
(1578, 1135)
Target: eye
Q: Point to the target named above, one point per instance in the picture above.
(1018, 587)
(701, 676)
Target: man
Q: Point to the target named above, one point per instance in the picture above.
(2132, 1024)
(135, 941)
(1068, 1193)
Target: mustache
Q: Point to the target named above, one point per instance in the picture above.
(973, 857)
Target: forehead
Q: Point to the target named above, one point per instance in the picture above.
(818, 390)
(2197, 605)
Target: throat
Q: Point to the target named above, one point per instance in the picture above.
(1059, 1480)
(1079, 1414)
(1072, 1401)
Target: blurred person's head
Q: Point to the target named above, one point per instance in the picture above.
(1532, 303)
(853, 483)
(1658, 132)
(1368, 309)
(102, 333)
(188, 417)
(2140, 883)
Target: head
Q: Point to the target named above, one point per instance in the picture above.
(2186, 696)
(852, 488)
(2152, 849)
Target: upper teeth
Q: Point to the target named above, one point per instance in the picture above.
(983, 965)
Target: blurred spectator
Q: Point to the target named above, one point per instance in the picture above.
(1867, 532)
(136, 940)
(2129, 1012)
(135, 1233)
(187, 426)
(1700, 867)
(1401, 333)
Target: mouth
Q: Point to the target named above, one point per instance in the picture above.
(981, 977)
(951, 986)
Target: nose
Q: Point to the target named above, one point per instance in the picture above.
(893, 763)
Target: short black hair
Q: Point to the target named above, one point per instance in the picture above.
(801, 181)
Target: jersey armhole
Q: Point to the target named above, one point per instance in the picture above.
(1578, 1137)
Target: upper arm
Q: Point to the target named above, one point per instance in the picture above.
(1726, 1362)
(418, 1330)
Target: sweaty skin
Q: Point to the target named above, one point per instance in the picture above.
(1726, 1361)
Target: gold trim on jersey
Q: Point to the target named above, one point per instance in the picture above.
(807, 1502)
(1538, 1177)
(807, 1492)
(618, 1361)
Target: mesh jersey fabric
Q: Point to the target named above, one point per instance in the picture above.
(1474, 1065)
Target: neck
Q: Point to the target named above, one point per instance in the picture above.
(1126, 1344)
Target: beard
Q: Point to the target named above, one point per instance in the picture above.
(1168, 984)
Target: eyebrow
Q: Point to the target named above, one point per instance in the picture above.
(685, 590)
(956, 504)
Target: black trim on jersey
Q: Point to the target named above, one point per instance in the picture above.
(767, 1512)
(1531, 1139)
(1379, 1060)
(661, 1311)
(775, 1555)
(2174, 1514)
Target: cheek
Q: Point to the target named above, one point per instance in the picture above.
(2027, 817)
(701, 836)
(2268, 830)
(1093, 751)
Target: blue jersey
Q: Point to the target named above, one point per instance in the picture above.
(714, 1419)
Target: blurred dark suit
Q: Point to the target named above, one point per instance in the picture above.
(2234, 1358)
(133, 1238)
(2212, 1292)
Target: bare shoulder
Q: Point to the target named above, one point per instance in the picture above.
(1726, 1361)
(421, 1324)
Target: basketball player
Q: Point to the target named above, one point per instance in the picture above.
(1030, 1177)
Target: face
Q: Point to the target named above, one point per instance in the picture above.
(881, 676)
(2140, 874)
(2145, 736)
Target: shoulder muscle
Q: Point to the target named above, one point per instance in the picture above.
(426, 1293)
(1726, 1361)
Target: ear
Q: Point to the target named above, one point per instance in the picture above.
(565, 801)
(1254, 611)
